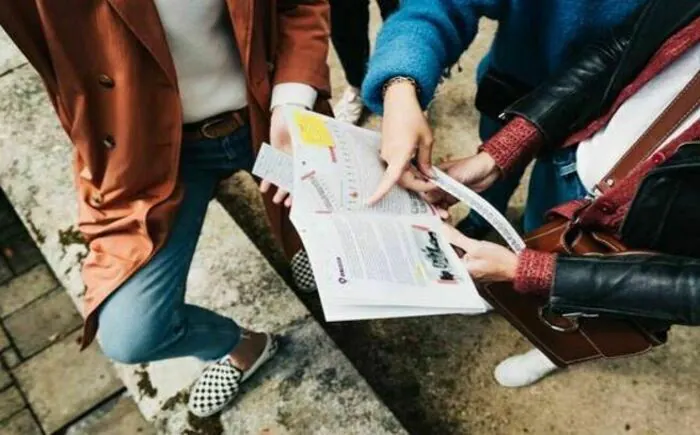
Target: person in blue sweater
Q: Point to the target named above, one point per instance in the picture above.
(533, 41)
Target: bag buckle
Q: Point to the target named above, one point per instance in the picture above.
(572, 318)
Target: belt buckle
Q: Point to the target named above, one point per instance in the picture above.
(204, 129)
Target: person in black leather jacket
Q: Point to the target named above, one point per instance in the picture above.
(658, 218)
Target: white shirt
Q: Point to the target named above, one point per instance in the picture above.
(597, 155)
(208, 66)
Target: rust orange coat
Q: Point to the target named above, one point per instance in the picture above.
(110, 76)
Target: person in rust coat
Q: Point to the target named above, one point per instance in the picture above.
(162, 100)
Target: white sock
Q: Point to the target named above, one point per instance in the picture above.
(524, 369)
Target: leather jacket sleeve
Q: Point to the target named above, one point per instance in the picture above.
(647, 286)
(570, 100)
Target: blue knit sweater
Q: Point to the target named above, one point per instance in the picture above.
(534, 37)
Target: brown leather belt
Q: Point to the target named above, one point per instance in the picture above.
(215, 127)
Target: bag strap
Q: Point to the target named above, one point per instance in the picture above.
(678, 111)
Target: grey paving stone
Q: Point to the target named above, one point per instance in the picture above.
(10, 357)
(57, 316)
(20, 424)
(10, 402)
(62, 383)
(116, 417)
(5, 378)
(4, 341)
(25, 288)
(21, 253)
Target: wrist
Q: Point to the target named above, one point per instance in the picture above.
(511, 268)
(284, 105)
(488, 161)
(400, 88)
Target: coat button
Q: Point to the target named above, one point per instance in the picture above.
(109, 142)
(658, 158)
(96, 199)
(606, 207)
(106, 81)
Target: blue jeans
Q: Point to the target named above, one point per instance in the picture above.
(554, 181)
(147, 318)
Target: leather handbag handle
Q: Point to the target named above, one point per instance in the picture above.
(678, 111)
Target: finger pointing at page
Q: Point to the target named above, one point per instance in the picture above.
(392, 175)
(405, 133)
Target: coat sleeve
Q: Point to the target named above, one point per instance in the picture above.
(658, 287)
(21, 21)
(420, 40)
(302, 44)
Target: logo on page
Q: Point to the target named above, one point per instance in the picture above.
(341, 271)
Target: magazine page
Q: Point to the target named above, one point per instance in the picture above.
(337, 168)
(365, 259)
(386, 260)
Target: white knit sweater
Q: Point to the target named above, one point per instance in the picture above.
(207, 62)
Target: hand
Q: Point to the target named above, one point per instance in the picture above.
(282, 140)
(405, 132)
(485, 261)
(477, 172)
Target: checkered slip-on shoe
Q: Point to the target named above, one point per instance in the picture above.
(302, 274)
(220, 383)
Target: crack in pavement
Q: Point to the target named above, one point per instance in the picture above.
(13, 69)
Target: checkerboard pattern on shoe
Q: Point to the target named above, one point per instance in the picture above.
(218, 385)
(302, 274)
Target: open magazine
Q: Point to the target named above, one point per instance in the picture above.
(386, 260)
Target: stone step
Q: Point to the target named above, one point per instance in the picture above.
(310, 388)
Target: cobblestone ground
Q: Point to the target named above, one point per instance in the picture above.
(46, 385)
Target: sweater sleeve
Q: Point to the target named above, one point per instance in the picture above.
(535, 272)
(514, 145)
(420, 40)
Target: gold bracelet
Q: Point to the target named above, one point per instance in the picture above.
(399, 79)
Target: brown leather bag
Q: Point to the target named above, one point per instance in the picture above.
(578, 338)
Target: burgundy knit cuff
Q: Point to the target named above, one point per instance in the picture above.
(514, 144)
(535, 272)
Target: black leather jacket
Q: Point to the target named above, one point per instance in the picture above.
(665, 214)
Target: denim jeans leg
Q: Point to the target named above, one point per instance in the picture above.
(147, 319)
(554, 181)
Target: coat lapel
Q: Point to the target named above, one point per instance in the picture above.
(242, 15)
(249, 24)
(142, 18)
